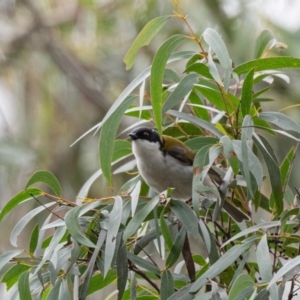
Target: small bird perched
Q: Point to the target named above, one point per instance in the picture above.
(168, 163)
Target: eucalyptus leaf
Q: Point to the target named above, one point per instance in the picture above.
(144, 38)
(157, 72)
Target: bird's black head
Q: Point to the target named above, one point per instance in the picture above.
(145, 133)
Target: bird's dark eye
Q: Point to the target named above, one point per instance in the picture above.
(145, 133)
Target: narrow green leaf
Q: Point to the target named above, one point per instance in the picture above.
(57, 236)
(34, 239)
(200, 69)
(199, 142)
(47, 178)
(241, 283)
(262, 42)
(202, 157)
(54, 293)
(25, 220)
(65, 292)
(228, 103)
(107, 137)
(186, 216)
(254, 165)
(247, 93)
(7, 256)
(167, 285)
(145, 241)
(247, 131)
(91, 265)
(19, 198)
(209, 242)
(98, 282)
(194, 120)
(24, 287)
(122, 270)
(113, 228)
(280, 120)
(284, 269)
(274, 173)
(182, 89)
(11, 277)
(176, 248)
(286, 167)
(182, 294)
(157, 73)
(171, 75)
(138, 219)
(229, 153)
(200, 112)
(223, 263)
(253, 229)
(71, 220)
(269, 63)
(263, 259)
(213, 39)
(143, 263)
(144, 38)
(165, 230)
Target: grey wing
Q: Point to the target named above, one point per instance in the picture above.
(180, 154)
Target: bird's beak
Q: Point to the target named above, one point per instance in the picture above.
(133, 136)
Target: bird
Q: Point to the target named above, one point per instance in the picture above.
(166, 162)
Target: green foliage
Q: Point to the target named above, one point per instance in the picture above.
(214, 108)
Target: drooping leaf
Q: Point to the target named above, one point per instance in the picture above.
(286, 167)
(182, 89)
(241, 283)
(19, 198)
(98, 282)
(137, 220)
(165, 230)
(144, 38)
(107, 137)
(284, 270)
(157, 73)
(71, 220)
(214, 40)
(176, 248)
(34, 239)
(91, 265)
(113, 228)
(269, 63)
(24, 287)
(280, 120)
(12, 275)
(262, 42)
(200, 69)
(167, 285)
(47, 178)
(24, 221)
(186, 216)
(230, 154)
(122, 269)
(274, 173)
(7, 256)
(247, 93)
(224, 262)
(253, 229)
(143, 263)
(201, 123)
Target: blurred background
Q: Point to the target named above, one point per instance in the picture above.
(61, 68)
